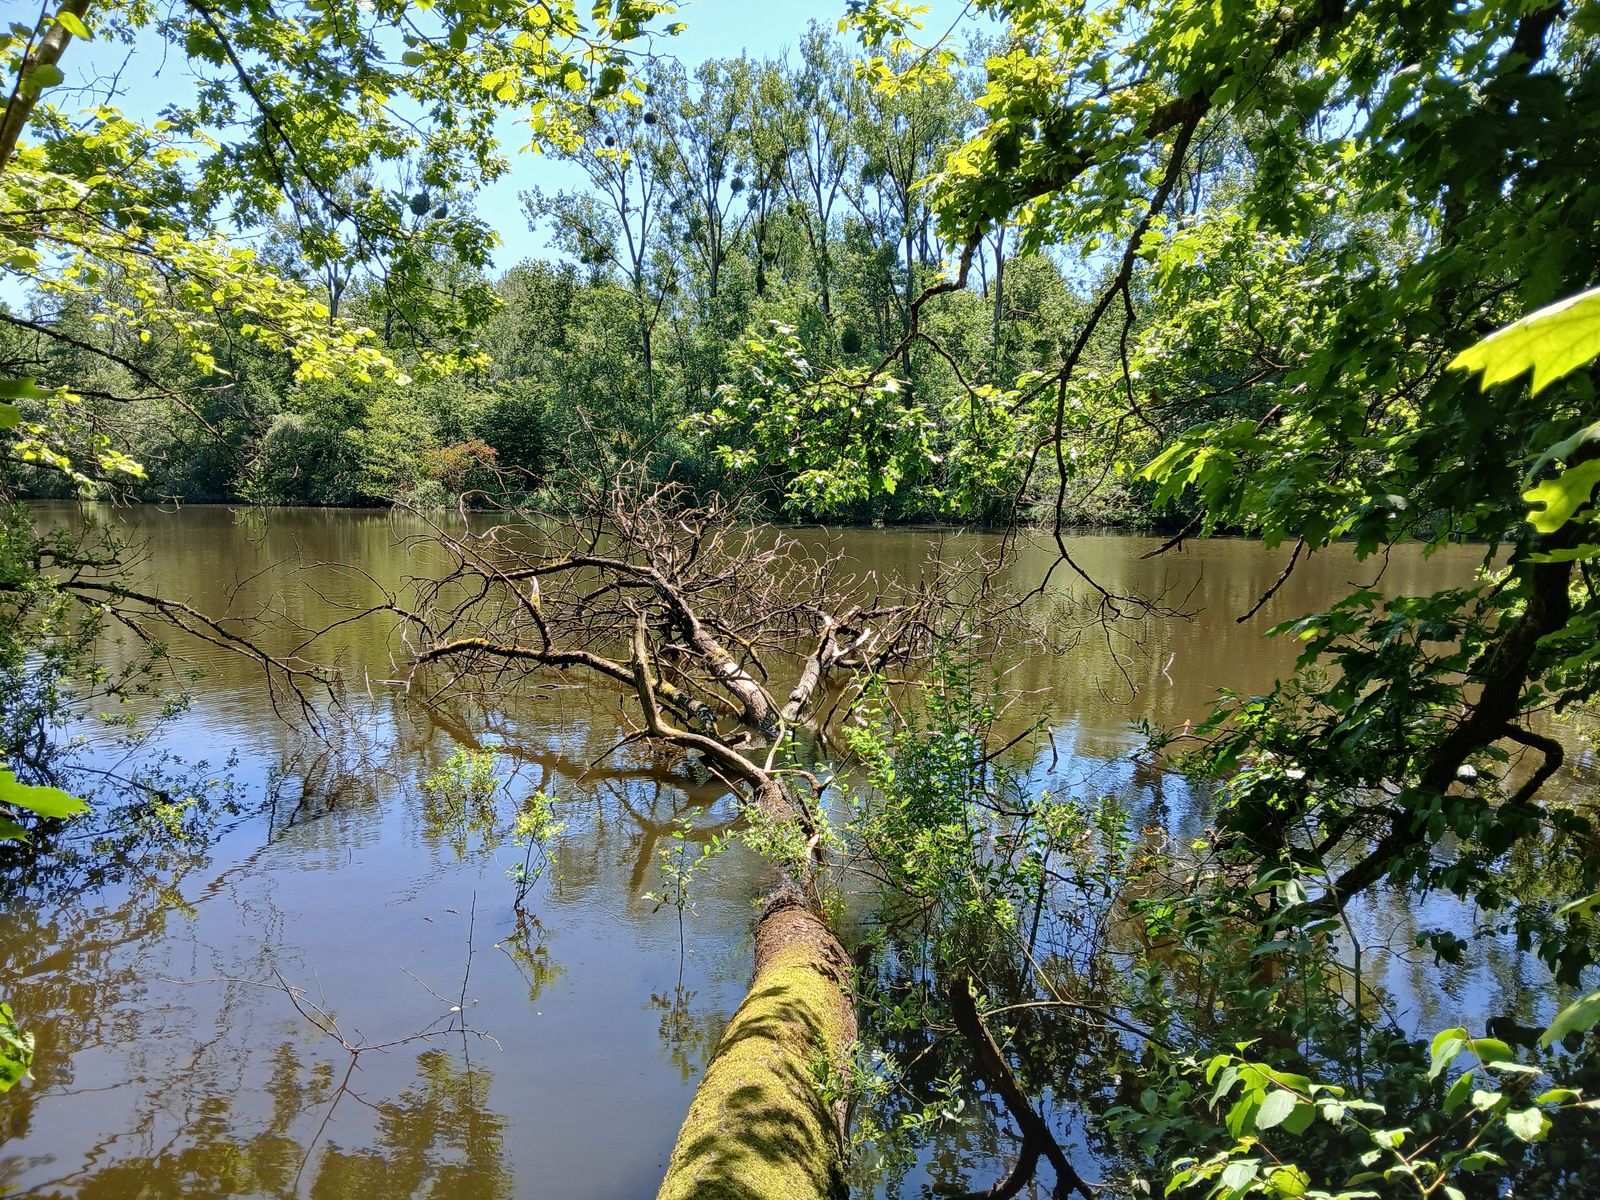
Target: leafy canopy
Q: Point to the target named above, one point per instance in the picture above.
(347, 122)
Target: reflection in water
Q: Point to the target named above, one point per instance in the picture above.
(157, 1076)
(317, 777)
(526, 948)
(437, 1137)
(689, 1036)
(343, 885)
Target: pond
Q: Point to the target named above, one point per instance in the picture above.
(197, 1014)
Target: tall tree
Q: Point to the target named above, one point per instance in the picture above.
(904, 133)
(821, 93)
(619, 225)
(706, 119)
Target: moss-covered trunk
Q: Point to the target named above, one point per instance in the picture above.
(687, 577)
(758, 1127)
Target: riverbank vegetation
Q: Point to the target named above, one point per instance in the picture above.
(1320, 272)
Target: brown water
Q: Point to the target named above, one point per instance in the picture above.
(172, 1062)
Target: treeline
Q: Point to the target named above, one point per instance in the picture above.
(739, 203)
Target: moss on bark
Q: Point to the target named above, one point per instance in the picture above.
(758, 1128)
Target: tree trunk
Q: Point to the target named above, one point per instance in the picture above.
(649, 367)
(758, 1127)
(999, 301)
(910, 305)
(46, 54)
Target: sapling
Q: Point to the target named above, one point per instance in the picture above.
(680, 863)
(533, 829)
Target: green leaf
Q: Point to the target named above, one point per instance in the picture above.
(1573, 554)
(1528, 1124)
(1241, 1117)
(1458, 1093)
(1491, 1050)
(1289, 1181)
(1581, 907)
(16, 1050)
(1563, 450)
(1446, 1045)
(9, 415)
(1508, 1067)
(71, 23)
(41, 801)
(22, 389)
(1237, 1176)
(1559, 1095)
(1551, 342)
(10, 831)
(1295, 1083)
(1574, 1018)
(1275, 1109)
(1555, 500)
(1300, 1119)
(45, 75)
(1485, 1101)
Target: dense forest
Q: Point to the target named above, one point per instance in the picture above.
(730, 202)
(1322, 273)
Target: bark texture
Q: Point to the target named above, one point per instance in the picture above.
(759, 1128)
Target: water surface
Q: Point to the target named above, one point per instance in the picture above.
(173, 1060)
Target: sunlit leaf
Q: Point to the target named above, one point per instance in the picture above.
(1528, 1124)
(1238, 1175)
(41, 801)
(1576, 1017)
(1551, 343)
(16, 1050)
(1446, 1045)
(1289, 1181)
(1490, 1050)
(1555, 500)
(1275, 1109)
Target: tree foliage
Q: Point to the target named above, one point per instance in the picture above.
(1322, 272)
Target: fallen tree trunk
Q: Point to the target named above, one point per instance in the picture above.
(704, 597)
(758, 1126)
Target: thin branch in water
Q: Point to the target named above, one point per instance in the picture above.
(1272, 591)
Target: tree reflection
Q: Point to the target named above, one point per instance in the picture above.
(438, 1138)
(526, 949)
(690, 1037)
